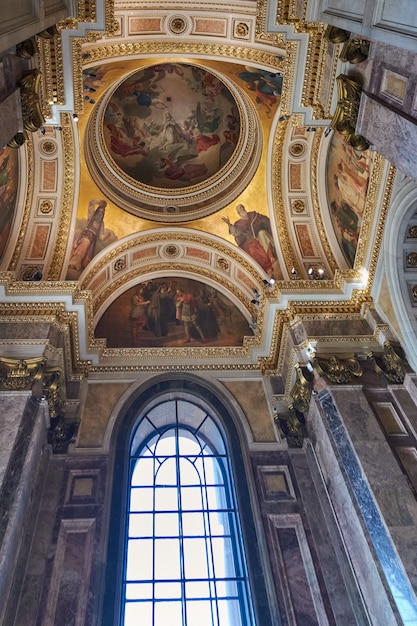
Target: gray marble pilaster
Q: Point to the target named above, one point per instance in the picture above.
(26, 426)
(380, 572)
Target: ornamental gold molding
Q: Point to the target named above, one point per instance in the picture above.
(175, 47)
(384, 206)
(25, 152)
(277, 198)
(314, 71)
(315, 201)
(189, 237)
(56, 264)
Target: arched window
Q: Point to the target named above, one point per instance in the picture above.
(181, 518)
(184, 561)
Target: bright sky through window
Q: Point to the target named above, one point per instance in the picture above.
(185, 563)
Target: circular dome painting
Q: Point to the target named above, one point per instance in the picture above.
(171, 125)
(170, 140)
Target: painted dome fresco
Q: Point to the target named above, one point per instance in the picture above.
(171, 141)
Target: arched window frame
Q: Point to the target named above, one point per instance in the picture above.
(190, 389)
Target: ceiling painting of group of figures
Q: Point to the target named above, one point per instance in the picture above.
(9, 177)
(172, 312)
(173, 124)
(348, 175)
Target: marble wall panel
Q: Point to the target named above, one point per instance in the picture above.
(68, 593)
(291, 551)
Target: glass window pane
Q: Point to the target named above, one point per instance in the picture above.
(167, 472)
(139, 591)
(223, 557)
(199, 612)
(143, 473)
(200, 589)
(140, 525)
(193, 524)
(191, 498)
(166, 525)
(229, 613)
(141, 499)
(195, 558)
(188, 474)
(166, 445)
(167, 559)
(216, 498)
(137, 613)
(166, 499)
(139, 559)
(183, 547)
(168, 613)
(168, 591)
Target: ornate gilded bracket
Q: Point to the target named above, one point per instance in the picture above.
(293, 427)
(346, 114)
(61, 434)
(390, 364)
(302, 389)
(33, 118)
(339, 370)
(355, 51)
(35, 374)
(20, 374)
(336, 35)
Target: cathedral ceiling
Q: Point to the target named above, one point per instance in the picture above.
(201, 164)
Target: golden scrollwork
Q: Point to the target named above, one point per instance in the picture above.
(338, 369)
(391, 363)
(66, 205)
